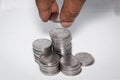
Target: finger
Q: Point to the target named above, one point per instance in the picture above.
(44, 7)
(70, 11)
(55, 10)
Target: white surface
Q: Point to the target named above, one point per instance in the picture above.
(96, 30)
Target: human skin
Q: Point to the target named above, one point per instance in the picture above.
(48, 9)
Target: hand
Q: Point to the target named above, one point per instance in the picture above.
(48, 9)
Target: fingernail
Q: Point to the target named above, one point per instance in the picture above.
(66, 24)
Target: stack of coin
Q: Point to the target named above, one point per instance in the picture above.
(70, 65)
(41, 46)
(56, 55)
(49, 64)
(61, 41)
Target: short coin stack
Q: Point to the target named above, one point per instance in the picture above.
(70, 65)
(41, 46)
(53, 56)
(49, 65)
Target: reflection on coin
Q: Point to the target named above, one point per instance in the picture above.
(85, 59)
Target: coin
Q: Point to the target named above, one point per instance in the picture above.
(50, 73)
(72, 73)
(69, 61)
(49, 64)
(42, 44)
(61, 41)
(60, 33)
(49, 60)
(85, 58)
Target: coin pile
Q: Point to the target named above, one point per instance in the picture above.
(56, 55)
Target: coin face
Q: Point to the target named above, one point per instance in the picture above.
(69, 61)
(85, 59)
(60, 33)
(50, 60)
(41, 44)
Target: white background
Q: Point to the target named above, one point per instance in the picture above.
(96, 30)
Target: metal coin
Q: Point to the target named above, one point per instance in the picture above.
(70, 68)
(49, 68)
(69, 61)
(85, 58)
(43, 51)
(59, 46)
(41, 44)
(60, 33)
(50, 73)
(49, 60)
(63, 52)
(72, 73)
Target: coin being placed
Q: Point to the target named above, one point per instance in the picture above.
(85, 59)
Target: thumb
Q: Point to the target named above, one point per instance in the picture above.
(70, 11)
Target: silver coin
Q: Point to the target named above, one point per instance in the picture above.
(50, 68)
(43, 51)
(72, 73)
(38, 53)
(69, 61)
(51, 73)
(62, 49)
(70, 68)
(41, 44)
(85, 58)
(49, 60)
(62, 46)
(60, 33)
(36, 59)
(61, 41)
(63, 52)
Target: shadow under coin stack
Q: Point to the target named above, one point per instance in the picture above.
(61, 41)
(53, 56)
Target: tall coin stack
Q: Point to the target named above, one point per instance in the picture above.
(61, 41)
